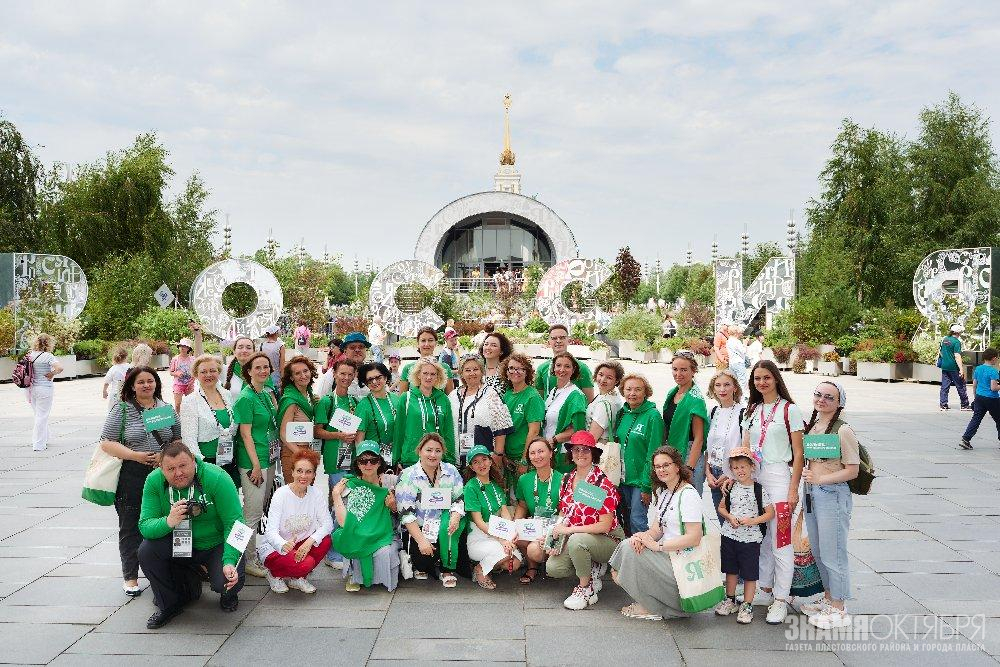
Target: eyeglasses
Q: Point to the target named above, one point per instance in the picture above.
(374, 378)
(368, 461)
(662, 466)
(580, 449)
(516, 370)
(826, 397)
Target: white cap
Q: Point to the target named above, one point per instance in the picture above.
(957, 328)
(271, 330)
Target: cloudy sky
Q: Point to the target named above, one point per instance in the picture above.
(658, 125)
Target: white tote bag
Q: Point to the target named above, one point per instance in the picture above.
(611, 462)
(698, 571)
(100, 482)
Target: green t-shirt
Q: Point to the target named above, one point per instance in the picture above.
(332, 448)
(536, 494)
(378, 417)
(487, 500)
(950, 346)
(211, 448)
(259, 411)
(525, 407)
(545, 381)
(419, 415)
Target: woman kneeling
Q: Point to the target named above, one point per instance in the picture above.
(484, 498)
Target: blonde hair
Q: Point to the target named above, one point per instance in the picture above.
(641, 378)
(142, 354)
(737, 394)
(44, 343)
(205, 358)
(414, 378)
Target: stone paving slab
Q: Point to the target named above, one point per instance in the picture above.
(926, 541)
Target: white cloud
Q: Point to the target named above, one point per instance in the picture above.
(352, 125)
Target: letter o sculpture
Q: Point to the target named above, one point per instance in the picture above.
(549, 300)
(382, 296)
(206, 298)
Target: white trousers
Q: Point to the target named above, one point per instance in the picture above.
(486, 550)
(776, 565)
(40, 398)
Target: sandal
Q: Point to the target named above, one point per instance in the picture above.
(527, 577)
(483, 580)
(448, 580)
(631, 612)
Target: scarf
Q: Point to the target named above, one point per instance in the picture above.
(292, 396)
(691, 405)
(368, 525)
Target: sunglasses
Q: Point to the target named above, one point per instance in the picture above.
(820, 395)
(579, 449)
(374, 378)
(368, 461)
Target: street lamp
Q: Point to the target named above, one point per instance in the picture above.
(715, 249)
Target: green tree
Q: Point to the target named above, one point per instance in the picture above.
(120, 289)
(761, 254)
(700, 287)
(627, 274)
(20, 173)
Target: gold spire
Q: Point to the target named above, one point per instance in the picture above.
(507, 156)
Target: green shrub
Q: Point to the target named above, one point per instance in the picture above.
(884, 350)
(926, 349)
(637, 325)
(166, 324)
(889, 322)
(536, 325)
(465, 342)
(675, 343)
(780, 334)
(817, 320)
(846, 344)
(91, 349)
(6, 331)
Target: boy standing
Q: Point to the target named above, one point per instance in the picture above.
(985, 383)
(746, 509)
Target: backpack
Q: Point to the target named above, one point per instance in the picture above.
(23, 371)
(861, 484)
(758, 493)
(739, 420)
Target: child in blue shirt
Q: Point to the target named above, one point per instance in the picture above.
(985, 383)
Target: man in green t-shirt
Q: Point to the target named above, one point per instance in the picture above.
(950, 361)
(545, 380)
(190, 503)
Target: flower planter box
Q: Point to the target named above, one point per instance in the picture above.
(665, 356)
(6, 369)
(767, 354)
(160, 361)
(881, 371)
(531, 350)
(650, 356)
(408, 352)
(926, 373)
(69, 364)
(831, 368)
(702, 360)
(626, 350)
(579, 351)
(599, 355)
(87, 367)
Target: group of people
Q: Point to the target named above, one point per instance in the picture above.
(479, 465)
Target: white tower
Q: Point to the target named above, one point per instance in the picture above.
(507, 178)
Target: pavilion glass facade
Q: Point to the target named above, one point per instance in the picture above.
(479, 246)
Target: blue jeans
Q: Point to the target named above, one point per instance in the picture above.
(827, 525)
(980, 407)
(717, 494)
(377, 354)
(949, 378)
(332, 555)
(632, 509)
(698, 475)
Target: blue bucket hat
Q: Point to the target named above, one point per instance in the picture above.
(356, 337)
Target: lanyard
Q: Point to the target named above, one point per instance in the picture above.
(385, 422)
(628, 434)
(423, 413)
(215, 414)
(765, 424)
(548, 490)
(180, 496)
(268, 407)
(666, 507)
(554, 395)
(437, 473)
(464, 412)
(496, 496)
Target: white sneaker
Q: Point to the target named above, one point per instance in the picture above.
(831, 619)
(777, 612)
(301, 584)
(580, 598)
(277, 584)
(255, 569)
(419, 576)
(814, 608)
(335, 564)
(726, 607)
(745, 614)
(760, 598)
(595, 577)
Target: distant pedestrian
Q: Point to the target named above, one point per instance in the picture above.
(44, 367)
(303, 334)
(950, 363)
(985, 383)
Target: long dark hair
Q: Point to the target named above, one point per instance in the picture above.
(756, 398)
(496, 475)
(246, 369)
(505, 345)
(815, 414)
(675, 457)
(128, 386)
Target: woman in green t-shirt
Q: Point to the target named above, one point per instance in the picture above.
(537, 496)
(257, 414)
(296, 405)
(485, 497)
(426, 347)
(425, 408)
(378, 409)
(527, 410)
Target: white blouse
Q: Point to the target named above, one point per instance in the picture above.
(293, 519)
(198, 420)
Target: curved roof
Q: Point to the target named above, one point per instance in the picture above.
(563, 242)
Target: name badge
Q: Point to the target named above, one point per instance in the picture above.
(430, 529)
(224, 452)
(502, 528)
(822, 446)
(590, 495)
(435, 498)
(530, 529)
(316, 445)
(183, 539)
(273, 449)
(157, 418)
(465, 442)
(299, 432)
(544, 512)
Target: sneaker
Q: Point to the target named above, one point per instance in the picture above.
(965, 444)
(967, 408)
(831, 619)
(277, 584)
(255, 569)
(229, 601)
(814, 608)
(944, 408)
(301, 584)
(777, 612)
(418, 575)
(335, 564)
(581, 598)
(760, 598)
(745, 614)
(726, 607)
(351, 586)
(595, 577)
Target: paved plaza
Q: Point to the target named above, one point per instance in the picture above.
(924, 546)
